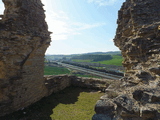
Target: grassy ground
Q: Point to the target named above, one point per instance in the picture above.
(48, 70)
(72, 103)
(76, 104)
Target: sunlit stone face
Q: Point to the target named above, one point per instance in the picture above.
(138, 38)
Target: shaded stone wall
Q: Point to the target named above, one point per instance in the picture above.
(55, 83)
(24, 38)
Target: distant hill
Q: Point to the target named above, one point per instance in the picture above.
(104, 53)
(67, 57)
(93, 57)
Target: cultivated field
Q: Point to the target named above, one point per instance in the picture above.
(116, 60)
(53, 70)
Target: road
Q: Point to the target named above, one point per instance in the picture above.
(93, 72)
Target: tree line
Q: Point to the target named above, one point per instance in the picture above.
(93, 58)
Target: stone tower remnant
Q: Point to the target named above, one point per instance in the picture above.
(138, 37)
(24, 38)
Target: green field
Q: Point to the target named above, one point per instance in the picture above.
(75, 104)
(49, 70)
(117, 60)
(72, 103)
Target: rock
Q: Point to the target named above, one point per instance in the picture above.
(24, 38)
(137, 36)
(101, 117)
(105, 106)
(155, 70)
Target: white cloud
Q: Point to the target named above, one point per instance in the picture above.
(60, 15)
(59, 36)
(103, 2)
(111, 40)
(84, 26)
(62, 27)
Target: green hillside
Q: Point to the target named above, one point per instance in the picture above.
(117, 60)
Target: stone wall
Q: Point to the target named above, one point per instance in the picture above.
(138, 37)
(55, 83)
(24, 38)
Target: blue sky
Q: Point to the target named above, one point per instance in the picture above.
(81, 26)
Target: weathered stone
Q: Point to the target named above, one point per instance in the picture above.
(55, 83)
(142, 42)
(105, 106)
(137, 36)
(24, 38)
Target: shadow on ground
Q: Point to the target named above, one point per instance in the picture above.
(42, 109)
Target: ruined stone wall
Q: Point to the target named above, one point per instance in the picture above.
(138, 37)
(56, 83)
(24, 38)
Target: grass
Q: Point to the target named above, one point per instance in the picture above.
(72, 103)
(80, 109)
(49, 70)
(117, 60)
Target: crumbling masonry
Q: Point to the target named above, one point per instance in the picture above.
(138, 37)
(24, 38)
